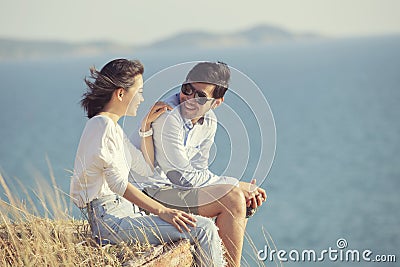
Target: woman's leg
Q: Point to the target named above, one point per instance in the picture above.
(152, 229)
(114, 220)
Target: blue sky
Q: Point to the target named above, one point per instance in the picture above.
(140, 22)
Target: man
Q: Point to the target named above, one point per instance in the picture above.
(182, 142)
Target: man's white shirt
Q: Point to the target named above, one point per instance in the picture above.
(182, 151)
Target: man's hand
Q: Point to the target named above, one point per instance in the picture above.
(254, 195)
(178, 219)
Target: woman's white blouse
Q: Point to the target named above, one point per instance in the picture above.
(103, 161)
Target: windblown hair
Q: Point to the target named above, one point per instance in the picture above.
(212, 73)
(118, 73)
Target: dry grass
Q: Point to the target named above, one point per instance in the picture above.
(30, 239)
(48, 236)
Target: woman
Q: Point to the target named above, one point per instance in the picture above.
(104, 159)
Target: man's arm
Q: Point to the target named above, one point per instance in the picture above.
(173, 158)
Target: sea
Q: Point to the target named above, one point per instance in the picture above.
(325, 133)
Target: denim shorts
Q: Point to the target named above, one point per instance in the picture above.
(176, 198)
(113, 219)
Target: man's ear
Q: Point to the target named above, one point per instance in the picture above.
(217, 102)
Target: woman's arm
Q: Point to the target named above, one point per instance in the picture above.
(177, 218)
(146, 144)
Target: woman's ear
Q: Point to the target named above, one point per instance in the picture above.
(119, 93)
(217, 102)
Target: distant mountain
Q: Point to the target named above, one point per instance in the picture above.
(17, 49)
(258, 35)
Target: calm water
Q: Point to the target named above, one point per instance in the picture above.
(336, 108)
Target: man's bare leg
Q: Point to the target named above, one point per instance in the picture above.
(228, 204)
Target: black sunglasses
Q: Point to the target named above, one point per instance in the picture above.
(199, 96)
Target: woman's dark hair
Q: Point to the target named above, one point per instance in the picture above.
(118, 73)
(212, 73)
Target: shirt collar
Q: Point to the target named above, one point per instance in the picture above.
(188, 123)
(200, 121)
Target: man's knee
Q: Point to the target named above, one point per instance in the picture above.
(235, 200)
(225, 199)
